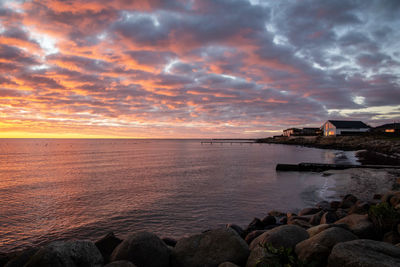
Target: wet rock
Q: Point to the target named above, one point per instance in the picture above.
(67, 253)
(316, 249)
(169, 241)
(366, 253)
(283, 236)
(261, 258)
(359, 224)
(211, 249)
(269, 220)
(22, 258)
(328, 217)
(316, 218)
(107, 244)
(143, 249)
(120, 264)
(237, 229)
(250, 237)
(309, 211)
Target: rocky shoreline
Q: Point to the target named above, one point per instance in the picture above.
(371, 149)
(353, 231)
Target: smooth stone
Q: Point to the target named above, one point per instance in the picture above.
(211, 249)
(143, 249)
(328, 217)
(260, 257)
(269, 220)
(309, 211)
(317, 229)
(107, 244)
(282, 236)
(359, 224)
(360, 208)
(67, 253)
(251, 236)
(365, 253)
(276, 213)
(316, 249)
(316, 218)
(301, 223)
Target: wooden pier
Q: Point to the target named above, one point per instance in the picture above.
(320, 167)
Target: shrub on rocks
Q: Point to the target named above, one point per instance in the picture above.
(210, 249)
(366, 253)
(144, 249)
(359, 224)
(286, 236)
(107, 244)
(384, 217)
(316, 249)
(67, 253)
(260, 257)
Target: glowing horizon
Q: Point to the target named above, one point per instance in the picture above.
(194, 69)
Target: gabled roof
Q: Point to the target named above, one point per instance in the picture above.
(389, 125)
(349, 124)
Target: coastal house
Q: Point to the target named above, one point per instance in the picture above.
(291, 132)
(302, 132)
(333, 127)
(388, 128)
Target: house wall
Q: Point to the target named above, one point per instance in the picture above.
(360, 130)
(329, 129)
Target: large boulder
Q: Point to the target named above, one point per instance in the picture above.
(317, 248)
(211, 248)
(283, 236)
(309, 211)
(359, 224)
(328, 217)
(261, 258)
(366, 253)
(67, 254)
(318, 229)
(107, 244)
(253, 235)
(144, 249)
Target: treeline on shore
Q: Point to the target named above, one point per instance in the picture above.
(342, 233)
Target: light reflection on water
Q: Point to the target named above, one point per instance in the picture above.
(57, 189)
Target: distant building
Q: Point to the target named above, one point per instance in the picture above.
(311, 131)
(387, 128)
(332, 127)
(291, 132)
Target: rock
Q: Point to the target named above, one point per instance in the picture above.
(301, 223)
(276, 213)
(283, 220)
(107, 244)
(316, 249)
(143, 249)
(67, 253)
(377, 196)
(269, 220)
(387, 196)
(328, 217)
(317, 229)
(346, 204)
(211, 249)
(22, 258)
(256, 224)
(120, 264)
(309, 211)
(227, 264)
(359, 208)
(283, 236)
(391, 237)
(350, 198)
(323, 205)
(359, 224)
(335, 204)
(261, 258)
(237, 228)
(169, 241)
(366, 253)
(316, 218)
(250, 237)
(340, 213)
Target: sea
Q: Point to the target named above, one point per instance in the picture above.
(55, 189)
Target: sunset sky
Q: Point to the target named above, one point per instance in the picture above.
(184, 69)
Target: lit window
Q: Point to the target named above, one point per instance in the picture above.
(389, 130)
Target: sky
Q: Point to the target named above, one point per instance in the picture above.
(195, 69)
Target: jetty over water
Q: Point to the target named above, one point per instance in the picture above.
(319, 167)
(229, 141)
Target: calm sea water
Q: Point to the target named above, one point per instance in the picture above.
(56, 189)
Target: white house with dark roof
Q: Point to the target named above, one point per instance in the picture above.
(333, 127)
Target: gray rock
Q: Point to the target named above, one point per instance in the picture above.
(300, 222)
(120, 264)
(107, 244)
(365, 253)
(67, 254)
(21, 258)
(261, 258)
(324, 205)
(237, 228)
(283, 236)
(211, 249)
(144, 249)
(317, 229)
(359, 225)
(341, 213)
(316, 218)
(316, 249)
(250, 237)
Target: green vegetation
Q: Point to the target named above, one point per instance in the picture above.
(282, 257)
(384, 217)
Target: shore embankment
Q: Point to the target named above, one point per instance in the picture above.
(371, 149)
(358, 226)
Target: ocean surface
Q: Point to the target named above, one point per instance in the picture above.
(54, 189)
